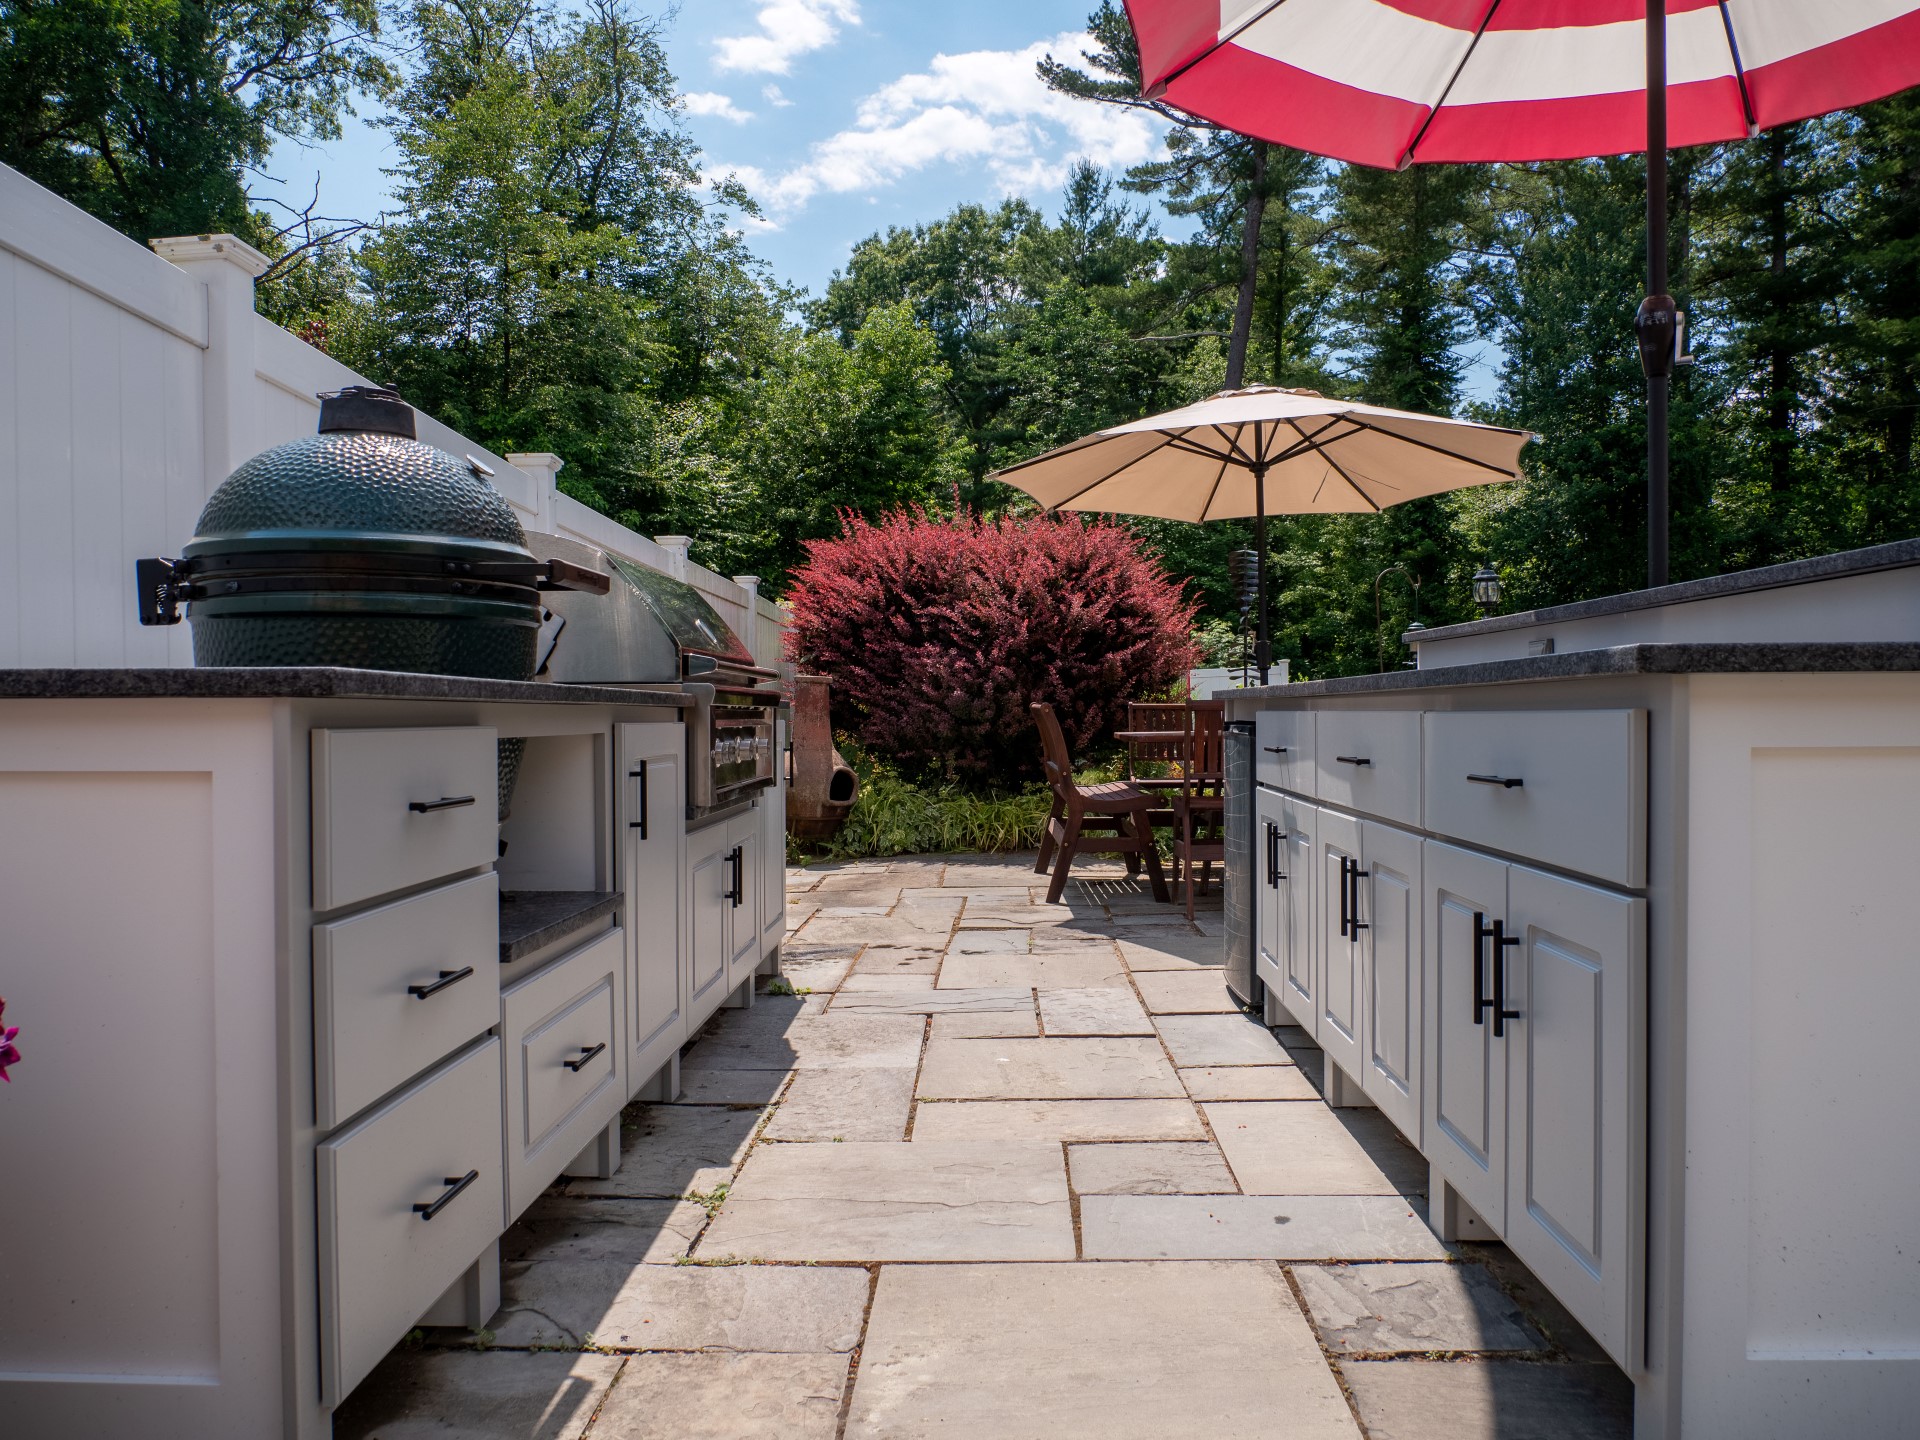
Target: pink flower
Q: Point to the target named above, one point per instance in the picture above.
(9, 1052)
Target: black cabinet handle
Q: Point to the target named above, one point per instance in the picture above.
(641, 776)
(455, 1184)
(1354, 759)
(1274, 874)
(447, 802)
(580, 1061)
(737, 859)
(1354, 876)
(1274, 749)
(447, 977)
(1500, 1012)
(1509, 782)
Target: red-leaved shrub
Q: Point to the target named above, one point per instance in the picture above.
(938, 634)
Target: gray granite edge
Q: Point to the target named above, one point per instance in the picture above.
(1894, 556)
(1673, 659)
(307, 683)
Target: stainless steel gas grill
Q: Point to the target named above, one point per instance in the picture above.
(655, 631)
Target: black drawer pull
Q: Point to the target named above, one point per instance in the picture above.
(576, 1065)
(1354, 759)
(447, 977)
(1274, 749)
(736, 861)
(641, 823)
(455, 1184)
(448, 802)
(1510, 782)
(1500, 1012)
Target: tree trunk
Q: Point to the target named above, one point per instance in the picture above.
(1249, 267)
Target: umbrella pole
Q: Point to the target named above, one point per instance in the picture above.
(1263, 641)
(1657, 448)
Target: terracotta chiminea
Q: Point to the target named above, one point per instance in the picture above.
(824, 786)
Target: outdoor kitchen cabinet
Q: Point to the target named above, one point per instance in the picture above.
(651, 830)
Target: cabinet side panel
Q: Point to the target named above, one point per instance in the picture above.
(108, 1127)
(1834, 1229)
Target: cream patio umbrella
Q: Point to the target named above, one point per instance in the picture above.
(1268, 451)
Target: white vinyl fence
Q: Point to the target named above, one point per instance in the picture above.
(132, 381)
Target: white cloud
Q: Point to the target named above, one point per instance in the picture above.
(710, 102)
(772, 94)
(788, 28)
(986, 108)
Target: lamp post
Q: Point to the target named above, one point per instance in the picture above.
(1486, 589)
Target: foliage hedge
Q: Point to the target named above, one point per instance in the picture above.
(939, 634)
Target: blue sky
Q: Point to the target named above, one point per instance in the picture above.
(842, 116)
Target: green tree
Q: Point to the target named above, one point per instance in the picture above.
(147, 113)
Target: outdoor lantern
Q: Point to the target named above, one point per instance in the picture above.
(1486, 589)
(1243, 574)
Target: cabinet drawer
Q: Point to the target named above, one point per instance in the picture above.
(1564, 787)
(395, 808)
(397, 987)
(564, 1056)
(383, 1257)
(1369, 760)
(1283, 750)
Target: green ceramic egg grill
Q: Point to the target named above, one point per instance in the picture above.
(360, 546)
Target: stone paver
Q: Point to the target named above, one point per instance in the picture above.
(645, 1232)
(1075, 969)
(870, 981)
(1048, 1069)
(1017, 1351)
(1249, 1082)
(1185, 992)
(450, 1395)
(811, 1042)
(1057, 1120)
(897, 960)
(1171, 951)
(1149, 1169)
(1195, 1040)
(822, 967)
(925, 1000)
(1386, 1309)
(682, 1307)
(673, 1150)
(972, 1025)
(1095, 1010)
(1253, 1227)
(749, 1088)
(725, 1397)
(989, 942)
(924, 1200)
(1292, 1147)
(1490, 1400)
(845, 1104)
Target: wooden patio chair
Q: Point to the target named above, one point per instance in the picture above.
(1199, 807)
(1083, 815)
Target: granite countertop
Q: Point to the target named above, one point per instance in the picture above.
(1899, 554)
(309, 683)
(530, 919)
(1682, 659)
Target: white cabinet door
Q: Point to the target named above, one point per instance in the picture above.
(653, 810)
(773, 846)
(1390, 999)
(1464, 1106)
(1300, 988)
(1340, 901)
(1575, 1055)
(743, 943)
(1269, 869)
(709, 920)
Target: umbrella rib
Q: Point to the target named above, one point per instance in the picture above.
(1094, 485)
(1739, 70)
(1225, 461)
(1307, 441)
(1224, 40)
(1414, 144)
(1437, 449)
(1320, 450)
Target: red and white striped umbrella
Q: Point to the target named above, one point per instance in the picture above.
(1392, 82)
